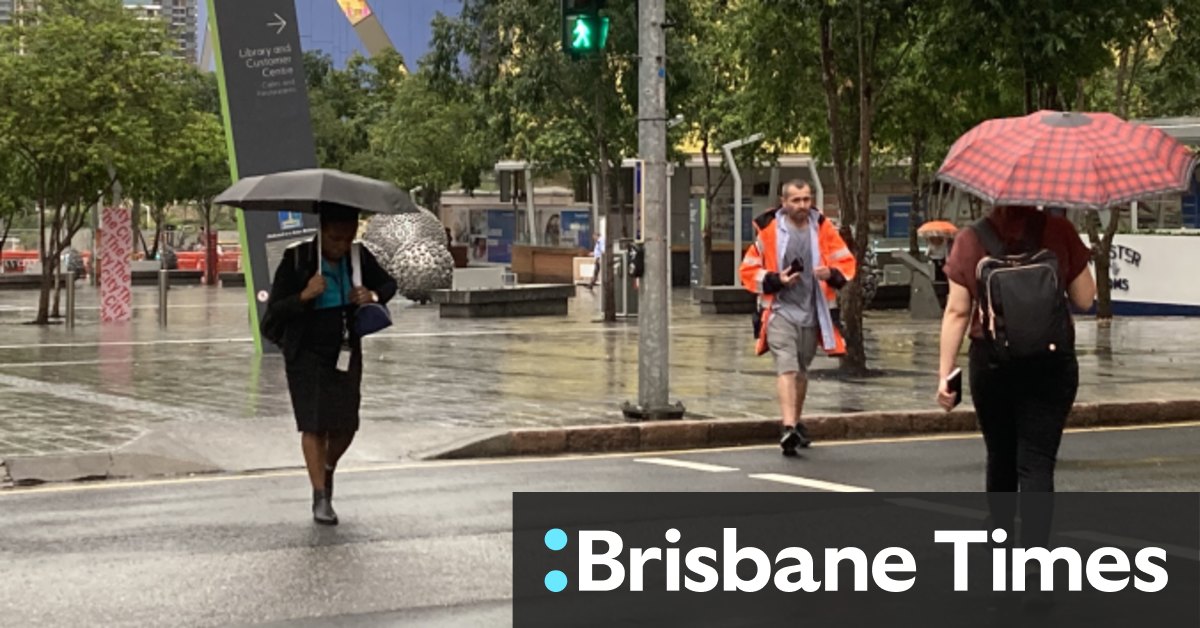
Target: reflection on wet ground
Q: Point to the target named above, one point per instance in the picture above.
(95, 386)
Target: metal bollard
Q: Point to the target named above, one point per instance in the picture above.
(164, 281)
(70, 300)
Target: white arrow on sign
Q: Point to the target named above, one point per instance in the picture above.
(281, 23)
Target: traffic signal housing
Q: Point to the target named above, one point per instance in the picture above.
(584, 30)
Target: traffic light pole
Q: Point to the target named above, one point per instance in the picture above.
(654, 336)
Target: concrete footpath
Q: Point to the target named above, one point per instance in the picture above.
(138, 400)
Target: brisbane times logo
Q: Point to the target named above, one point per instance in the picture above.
(606, 564)
(738, 559)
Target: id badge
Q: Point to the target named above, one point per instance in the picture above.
(343, 362)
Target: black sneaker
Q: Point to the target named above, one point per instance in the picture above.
(789, 441)
(794, 437)
(805, 441)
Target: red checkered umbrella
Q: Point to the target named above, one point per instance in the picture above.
(1057, 159)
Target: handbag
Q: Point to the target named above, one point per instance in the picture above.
(273, 328)
(369, 318)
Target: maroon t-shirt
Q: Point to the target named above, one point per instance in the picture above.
(1059, 236)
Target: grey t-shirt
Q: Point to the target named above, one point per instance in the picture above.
(797, 303)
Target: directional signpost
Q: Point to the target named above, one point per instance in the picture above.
(267, 125)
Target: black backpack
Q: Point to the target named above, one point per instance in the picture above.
(1021, 297)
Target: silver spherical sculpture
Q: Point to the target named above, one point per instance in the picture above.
(412, 249)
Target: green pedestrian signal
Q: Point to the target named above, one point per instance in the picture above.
(583, 35)
(584, 31)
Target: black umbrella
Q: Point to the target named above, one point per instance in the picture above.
(312, 189)
(306, 190)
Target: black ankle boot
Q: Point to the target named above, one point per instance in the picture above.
(329, 481)
(323, 509)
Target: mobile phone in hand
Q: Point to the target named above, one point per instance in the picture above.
(954, 385)
(796, 267)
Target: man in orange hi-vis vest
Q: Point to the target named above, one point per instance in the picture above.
(796, 265)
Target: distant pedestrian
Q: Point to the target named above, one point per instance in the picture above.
(796, 265)
(938, 252)
(598, 261)
(323, 355)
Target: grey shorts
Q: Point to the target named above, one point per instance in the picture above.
(794, 347)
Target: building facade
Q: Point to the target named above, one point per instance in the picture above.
(181, 18)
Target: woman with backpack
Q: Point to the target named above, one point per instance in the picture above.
(1013, 277)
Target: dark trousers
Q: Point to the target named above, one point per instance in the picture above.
(1022, 410)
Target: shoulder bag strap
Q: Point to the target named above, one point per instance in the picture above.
(356, 263)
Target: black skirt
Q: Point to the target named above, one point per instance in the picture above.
(325, 399)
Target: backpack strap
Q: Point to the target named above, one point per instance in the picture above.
(989, 238)
(1035, 229)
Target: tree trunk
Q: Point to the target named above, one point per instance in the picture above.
(43, 311)
(1101, 255)
(855, 218)
(160, 216)
(211, 261)
(833, 115)
(56, 309)
(706, 218)
(4, 232)
(145, 247)
(1030, 102)
(856, 355)
(914, 175)
(607, 278)
(58, 245)
(1122, 78)
(136, 224)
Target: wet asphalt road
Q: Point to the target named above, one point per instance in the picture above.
(430, 544)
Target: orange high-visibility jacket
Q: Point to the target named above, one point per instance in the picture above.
(760, 273)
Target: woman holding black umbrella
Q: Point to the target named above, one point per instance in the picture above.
(327, 294)
(323, 353)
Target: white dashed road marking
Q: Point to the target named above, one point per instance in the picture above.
(820, 485)
(686, 464)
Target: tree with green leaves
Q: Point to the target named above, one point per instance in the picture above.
(203, 172)
(712, 95)
(345, 104)
(1172, 82)
(79, 83)
(426, 140)
(1096, 55)
(191, 163)
(16, 194)
(935, 97)
(333, 105)
(558, 113)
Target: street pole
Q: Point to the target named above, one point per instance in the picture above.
(654, 327)
(727, 150)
